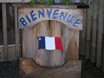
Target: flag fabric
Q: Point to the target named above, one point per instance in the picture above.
(50, 43)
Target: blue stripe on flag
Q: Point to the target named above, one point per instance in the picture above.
(41, 41)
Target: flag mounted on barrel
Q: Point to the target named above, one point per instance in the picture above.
(50, 43)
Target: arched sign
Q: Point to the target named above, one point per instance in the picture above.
(72, 18)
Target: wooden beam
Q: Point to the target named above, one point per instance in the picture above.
(14, 1)
(4, 31)
(100, 35)
(83, 33)
(94, 30)
(45, 6)
(103, 52)
(88, 34)
(17, 52)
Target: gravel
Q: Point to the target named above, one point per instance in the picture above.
(9, 69)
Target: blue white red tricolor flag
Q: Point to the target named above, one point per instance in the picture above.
(50, 43)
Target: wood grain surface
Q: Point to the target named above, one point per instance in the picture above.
(54, 58)
(72, 18)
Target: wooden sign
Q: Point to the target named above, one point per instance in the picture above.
(72, 18)
(66, 21)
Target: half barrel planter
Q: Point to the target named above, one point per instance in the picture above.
(50, 21)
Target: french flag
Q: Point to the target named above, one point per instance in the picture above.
(50, 43)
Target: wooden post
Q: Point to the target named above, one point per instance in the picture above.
(100, 34)
(88, 35)
(83, 33)
(4, 31)
(103, 53)
(94, 31)
(17, 51)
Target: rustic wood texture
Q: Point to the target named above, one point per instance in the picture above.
(17, 34)
(27, 68)
(96, 53)
(4, 32)
(73, 46)
(100, 34)
(70, 42)
(88, 37)
(69, 19)
(83, 32)
(102, 65)
(94, 31)
(51, 28)
(34, 36)
(11, 53)
(56, 57)
(27, 41)
(45, 6)
(42, 57)
(1, 54)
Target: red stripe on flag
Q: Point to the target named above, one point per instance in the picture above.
(58, 43)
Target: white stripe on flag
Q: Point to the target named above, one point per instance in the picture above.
(50, 43)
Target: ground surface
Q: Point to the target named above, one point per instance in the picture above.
(10, 70)
(89, 70)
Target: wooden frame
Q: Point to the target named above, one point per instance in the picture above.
(5, 53)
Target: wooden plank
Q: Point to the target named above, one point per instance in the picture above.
(17, 35)
(88, 41)
(12, 52)
(1, 54)
(73, 46)
(94, 31)
(100, 34)
(80, 44)
(27, 44)
(34, 36)
(42, 56)
(69, 53)
(56, 57)
(4, 31)
(63, 41)
(102, 66)
(14, 1)
(83, 32)
(45, 6)
(72, 18)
